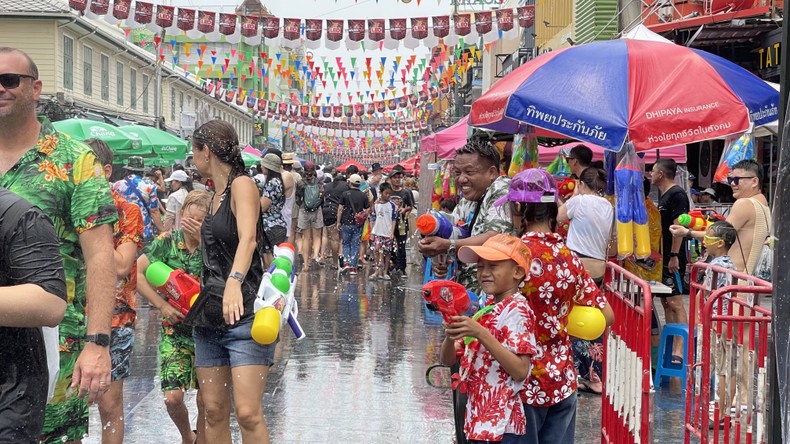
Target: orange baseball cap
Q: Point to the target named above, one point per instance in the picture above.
(500, 247)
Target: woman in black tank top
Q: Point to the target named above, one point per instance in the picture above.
(225, 355)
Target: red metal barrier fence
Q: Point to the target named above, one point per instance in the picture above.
(731, 354)
(626, 373)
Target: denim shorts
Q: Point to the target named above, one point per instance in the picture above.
(121, 345)
(233, 347)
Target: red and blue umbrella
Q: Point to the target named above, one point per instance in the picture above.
(654, 94)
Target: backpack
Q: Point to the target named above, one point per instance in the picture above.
(312, 197)
(330, 205)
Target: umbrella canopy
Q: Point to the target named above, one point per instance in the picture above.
(411, 166)
(445, 142)
(654, 94)
(120, 142)
(547, 154)
(163, 145)
(342, 168)
(250, 159)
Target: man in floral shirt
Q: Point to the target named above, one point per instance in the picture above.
(128, 240)
(143, 193)
(496, 360)
(61, 177)
(476, 171)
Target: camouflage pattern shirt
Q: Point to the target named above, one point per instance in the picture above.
(490, 218)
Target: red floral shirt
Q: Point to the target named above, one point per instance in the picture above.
(556, 280)
(494, 405)
(129, 228)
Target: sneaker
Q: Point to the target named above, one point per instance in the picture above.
(344, 269)
(352, 272)
(385, 277)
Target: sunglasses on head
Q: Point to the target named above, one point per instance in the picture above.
(11, 81)
(734, 180)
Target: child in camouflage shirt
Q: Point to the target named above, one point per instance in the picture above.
(179, 249)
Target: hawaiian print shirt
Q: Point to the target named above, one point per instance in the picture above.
(61, 176)
(273, 217)
(149, 206)
(129, 228)
(171, 248)
(557, 280)
(491, 218)
(494, 405)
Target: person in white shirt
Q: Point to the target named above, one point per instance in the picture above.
(383, 231)
(179, 188)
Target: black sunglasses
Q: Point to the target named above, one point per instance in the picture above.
(11, 81)
(734, 180)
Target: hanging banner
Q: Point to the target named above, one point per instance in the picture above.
(398, 29)
(359, 109)
(186, 19)
(483, 22)
(392, 104)
(227, 23)
(100, 7)
(165, 15)
(376, 29)
(356, 30)
(272, 107)
(463, 24)
(337, 111)
(249, 26)
(504, 19)
(79, 5)
(315, 111)
(413, 99)
(419, 27)
(292, 27)
(271, 27)
(262, 104)
(121, 8)
(371, 109)
(143, 12)
(334, 30)
(304, 111)
(206, 21)
(348, 111)
(313, 29)
(326, 111)
(380, 106)
(441, 26)
(526, 16)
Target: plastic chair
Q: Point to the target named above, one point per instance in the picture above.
(665, 367)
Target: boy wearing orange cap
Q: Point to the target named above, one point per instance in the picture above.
(497, 361)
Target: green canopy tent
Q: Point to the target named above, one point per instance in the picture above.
(160, 145)
(122, 143)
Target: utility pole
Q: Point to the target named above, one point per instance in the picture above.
(158, 86)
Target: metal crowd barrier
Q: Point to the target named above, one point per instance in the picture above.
(626, 373)
(729, 355)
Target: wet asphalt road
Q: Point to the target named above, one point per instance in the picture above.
(358, 377)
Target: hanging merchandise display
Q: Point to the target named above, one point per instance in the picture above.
(737, 148)
(630, 207)
(525, 152)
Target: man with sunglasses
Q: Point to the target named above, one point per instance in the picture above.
(750, 215)
(61, 176)
(579, 158)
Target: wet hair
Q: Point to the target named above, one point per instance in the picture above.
(750, 166)
(595, 179)
(221, 138)
(582, 154)
(177, 167)
(102, 151)
(352, 169)
(384, 186)
(668, 166)
(597, 164)
(483, 147)
(275, 151)
(725, 231)
(197, 198)
(448, 204)
(537, 212)
(32, 68)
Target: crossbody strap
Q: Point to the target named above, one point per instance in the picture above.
(136, 192)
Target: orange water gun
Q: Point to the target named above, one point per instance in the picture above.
(699, 220)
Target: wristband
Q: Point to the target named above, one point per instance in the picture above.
(689, 235)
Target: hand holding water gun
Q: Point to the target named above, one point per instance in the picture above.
(177, 286)
(275, 304)
(699, 220)
(434, 223)
(447, 297)
(566, 187)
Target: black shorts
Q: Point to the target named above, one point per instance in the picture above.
(274, 236)
(675, 281)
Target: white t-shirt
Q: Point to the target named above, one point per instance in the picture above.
(385, 218)
(174, 203)
(591, 225)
